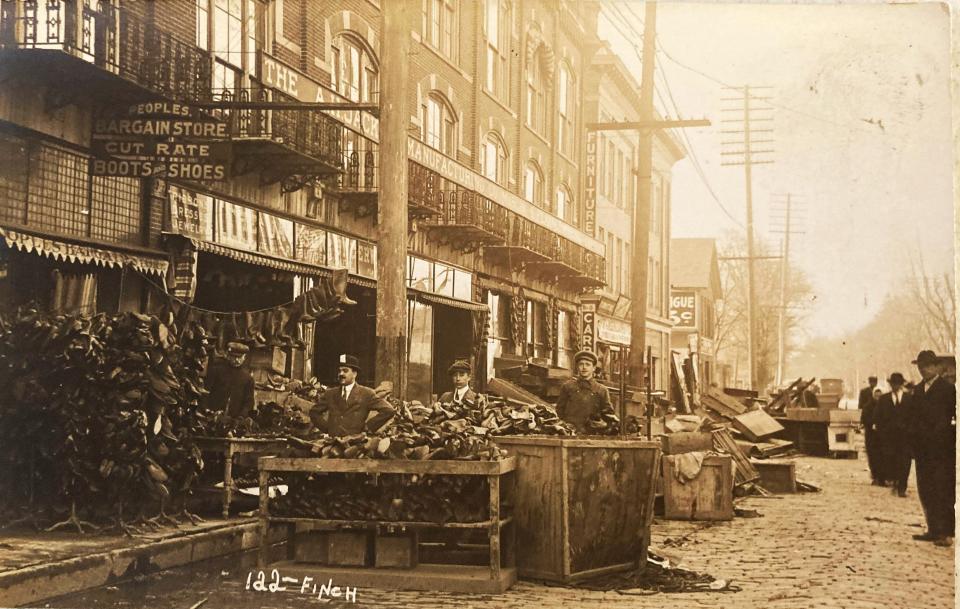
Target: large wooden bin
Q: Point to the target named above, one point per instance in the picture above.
(583, 506)
(709, 496)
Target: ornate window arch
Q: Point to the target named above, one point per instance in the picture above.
(355, 70)
(439, 122)
(565, 206)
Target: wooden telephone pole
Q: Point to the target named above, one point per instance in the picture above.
(391, 331)
(787, 229)
(647, 126)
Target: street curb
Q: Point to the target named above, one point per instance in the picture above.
(37, 582)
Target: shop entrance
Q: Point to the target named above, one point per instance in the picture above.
(453, 339)
(352, 332)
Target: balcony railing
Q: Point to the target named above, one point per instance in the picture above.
(307, 132)
(111, 38)
(423, 188)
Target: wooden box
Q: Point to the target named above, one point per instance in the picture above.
(777, 476)
(398, 551)
(583, 506)
(686, 442)
(347, 548)
(709, 496)
(310, 546)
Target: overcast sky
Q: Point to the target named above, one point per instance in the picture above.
(862, 130)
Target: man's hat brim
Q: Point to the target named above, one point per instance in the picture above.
(587, 355)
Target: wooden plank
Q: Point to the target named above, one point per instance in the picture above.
(681, 379)
(745, 471)
(565, 512)
(506, 389)
(494, 535)
(425, 577)
(264, 547)
(386, 466)
(325, 523)
(721, 403)
(756, 425)
(578, 442)
(686, 442)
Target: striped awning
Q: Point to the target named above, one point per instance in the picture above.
(85, 254)
(431, 298)
(301, 268)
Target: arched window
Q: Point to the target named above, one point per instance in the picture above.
(493, 158)
(536, 97)
(355, 73)
(533, 184)
(565, 110)
(566, 207)
(439, 124)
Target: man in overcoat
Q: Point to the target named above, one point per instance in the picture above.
(933, 406)
(892, 420)
(582, 398)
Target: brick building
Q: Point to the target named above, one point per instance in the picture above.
(613, 96)
(495, 183)
(695, 290)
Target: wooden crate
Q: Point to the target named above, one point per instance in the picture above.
(396, 550)
(583, 506)
(335, 548)
(686, 442)
(777, 476)
(709, 496)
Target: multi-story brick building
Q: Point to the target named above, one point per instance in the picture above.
(612, 95)
(495, 145)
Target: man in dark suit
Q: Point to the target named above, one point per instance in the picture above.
(868, 405)
(892, 420)
(933, 406)
(230, 383)
(866, 394)
(344, 410)
(459, 372)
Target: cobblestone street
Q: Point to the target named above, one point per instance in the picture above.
(847, 547)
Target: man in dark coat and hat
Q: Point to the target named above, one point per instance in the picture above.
(892, 420)
(460, 371)
(582, 398)
(933, 406)
(344, 410)
(230, 383)
(871, 438)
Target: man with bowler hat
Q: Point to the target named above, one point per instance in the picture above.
(933, 406)
(892, 420)
(459, 372)
(582, 398)
(348, 406)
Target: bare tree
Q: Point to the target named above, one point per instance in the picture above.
(935, 301)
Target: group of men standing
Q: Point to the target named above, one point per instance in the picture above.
(915, 423)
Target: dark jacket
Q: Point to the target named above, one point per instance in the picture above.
(892, 420)
(581, 400)
(933, 410)
(866, 397)
(345, 418)
(231, 389)
(469, 397)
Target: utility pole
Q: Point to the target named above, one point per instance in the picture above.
(391, 324)
(648, 125)
(784, 282)
(746, 153)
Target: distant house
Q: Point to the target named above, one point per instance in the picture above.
(694, 292)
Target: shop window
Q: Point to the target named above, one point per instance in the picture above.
(420, 351)
(493, 159)
(439, 124)
(533, 184)
(537, 330)
(419, 274)
(115, 209)
(566, 209)
(463, 285)
(497, 32)
(342, 252)
(441, 28)
(443, 280)
(355, 71)
(58, 191)
(228, 31)
(565, 110)
(13, 180)
(565, 346)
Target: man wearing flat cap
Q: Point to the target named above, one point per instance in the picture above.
(349, 405)
(933, 406)
(582, 398)
(459, 372)
(892, 421)
(230, 383)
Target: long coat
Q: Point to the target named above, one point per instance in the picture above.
(349, 417)
(893, 436)
(581, 400)
(934, 433)
(231, 389)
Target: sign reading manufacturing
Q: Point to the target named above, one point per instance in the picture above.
(683, 309)
(161, 139)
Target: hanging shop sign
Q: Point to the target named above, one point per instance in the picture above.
(191, 214)
(160, 139)
(588, 332)
(590, 186)
(611, 330)
(683, 309)
(366, 259)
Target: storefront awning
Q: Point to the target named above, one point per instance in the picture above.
(85, 254)
(258, 259)
(446, 300)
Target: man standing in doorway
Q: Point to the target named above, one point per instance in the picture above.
(459, 372)
(348, 406)
(582, 398)
(892, 422)
(933, 406)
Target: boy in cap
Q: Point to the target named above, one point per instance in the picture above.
(348, 405)
(459, 371)
(230, 383)
(933, 406)
(582, 398)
